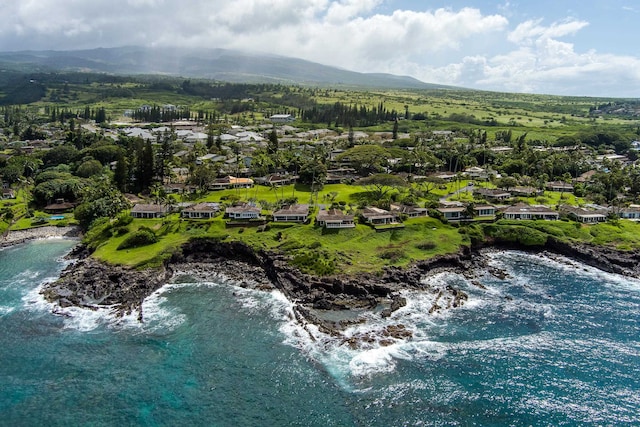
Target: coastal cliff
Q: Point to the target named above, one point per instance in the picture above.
(91, 284)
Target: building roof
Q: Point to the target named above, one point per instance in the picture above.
(242, 208)
(203, 207)
(293, 210)
(372, 212)
(333, 215)
(532, 209)
(148, 207)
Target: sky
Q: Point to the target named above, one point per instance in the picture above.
(562, 47)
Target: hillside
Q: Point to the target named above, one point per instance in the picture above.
(217, 64)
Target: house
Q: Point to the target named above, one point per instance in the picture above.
(8, 193)
(145, 211)
(484, 211)
(475, 172)
(446, 176)
(586, 177)
(178, 188)
(245, 211)
(231, 182)
(282, 118)
(292, 213)
(60, 206)
(452, 213)
(274, 179)
(410, 211)
(334, 218)
(583, 215)
(201, 211)
(377, 216)
(526, 191)
(522, 211)
(559, 186)
(631, 213)
(492, 194)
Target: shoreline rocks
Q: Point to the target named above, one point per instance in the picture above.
(20, 236)
(92, 284)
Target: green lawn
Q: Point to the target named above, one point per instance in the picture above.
(350, 250)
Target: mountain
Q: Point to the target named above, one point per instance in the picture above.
(218, 64)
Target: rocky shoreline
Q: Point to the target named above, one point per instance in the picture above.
(20, 236)
(91, 284)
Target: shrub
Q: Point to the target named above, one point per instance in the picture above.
(142, 237)
(123, 219)
(315, 245)
(392, 255)
(120, 231)
(517, 234)
(38, 221)
(426, 246)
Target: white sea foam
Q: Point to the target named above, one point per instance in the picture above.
(565, 265)
(5, 310)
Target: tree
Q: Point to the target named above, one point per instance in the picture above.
(145, 166)
(120, 178)
(395, 129)
(351, 137)
(202, 176)
(507, 182)
(273, 141)
(312, 172)
(89, 168)
(61, 154)
(379, 185)
(167, 148)
(429, 184)
(366, 158)
(100, 199)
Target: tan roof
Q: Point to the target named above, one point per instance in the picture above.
(145, 207)
(333, 215)
(203, 207)
(293, 210)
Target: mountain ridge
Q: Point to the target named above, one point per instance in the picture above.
(233, 66)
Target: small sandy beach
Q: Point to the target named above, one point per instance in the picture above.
(20, 236)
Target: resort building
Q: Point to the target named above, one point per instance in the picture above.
(484, 211)
(334, 218)
(243, 212)
(492, 194)
(377, 216)
(231, 182)
(585, 216)
(282, 118)
(410, 211)
(292, 213)
(452, 213)
(522, 211)
(631, 213)
(146, 211)
(559, 186)
(201, 211)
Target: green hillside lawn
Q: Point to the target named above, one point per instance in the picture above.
(620, 234)
(312, 248)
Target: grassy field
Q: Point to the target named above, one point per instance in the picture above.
(620, 235)
(312, 248)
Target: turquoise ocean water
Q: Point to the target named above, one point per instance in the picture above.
(557, 343)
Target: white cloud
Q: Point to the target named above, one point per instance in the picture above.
(529, 31)
(462, 47)
(542, 64)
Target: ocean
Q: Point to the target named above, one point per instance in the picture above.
(555, 343)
